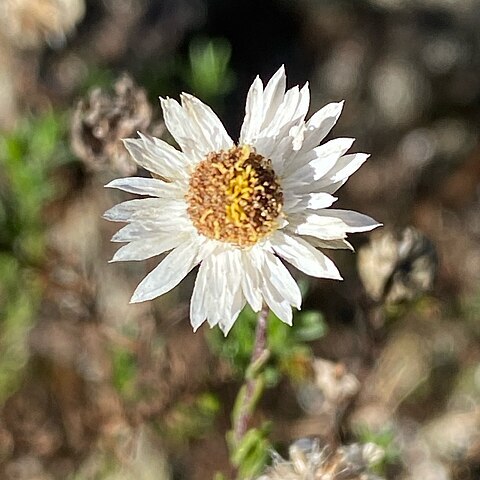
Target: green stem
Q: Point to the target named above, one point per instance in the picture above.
(250, 387)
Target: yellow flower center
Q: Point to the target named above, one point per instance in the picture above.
(234, 197)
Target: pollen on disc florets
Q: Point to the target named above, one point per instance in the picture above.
(234, 196)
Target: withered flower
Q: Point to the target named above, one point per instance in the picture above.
(101, 121)
(309, 461)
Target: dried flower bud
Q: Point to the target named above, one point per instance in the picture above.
(28, 23)
(332, 386)
(309, 461)
(395, 268)
(101, 121)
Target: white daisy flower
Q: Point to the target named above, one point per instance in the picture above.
(238, 209)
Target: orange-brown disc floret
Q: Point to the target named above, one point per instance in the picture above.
(234, 197)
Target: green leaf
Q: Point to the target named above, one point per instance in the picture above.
(310, 326)
(251, 454)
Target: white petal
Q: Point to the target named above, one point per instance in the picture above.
(157, 156)
(346, 166)
(140, 229)
(275, 141)
(272, 113)
(311, 201)
(166, 155)
(279, 153)
(168, 217)
(320, 124)
(273, 95)
(198, 311)
(285, 115)
(204, 300)
(320, 200)
(334, 178)
(171, 271)
(304, 102)
(210, 128)
(232, 311)
(318, 162)
(224, 299)
(215, 288)
(303, 256)
(253, 113)
(131, 232)
(148, 247)
(276, 302)
(353, 221)
(281, 279)
(168, 211)
(327, 155)
(148, 186)
(229, 302)
(291, 113)
(272, 147)
(124, 211)
(322, 227)
(332, 244)
(184, 130)
(250, 279)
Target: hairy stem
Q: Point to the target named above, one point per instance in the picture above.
(244, 417)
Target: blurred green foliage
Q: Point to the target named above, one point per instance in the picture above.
(97, 78)
(252, 453)
(191, 418)
(209, 74)
(289, 352)
(124, 372)
(27, 156)
(139, 458)
(384, 438)
(469, 308)
(19, 295)
(205, 72)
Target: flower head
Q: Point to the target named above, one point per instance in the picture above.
(237, 209)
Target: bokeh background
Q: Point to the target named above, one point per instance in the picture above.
(94, 388)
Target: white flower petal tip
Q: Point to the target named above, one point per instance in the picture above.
(238, 265)
(373, 227)
(195, 328)
(136, 299)
(139, 299)
(225, 330)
